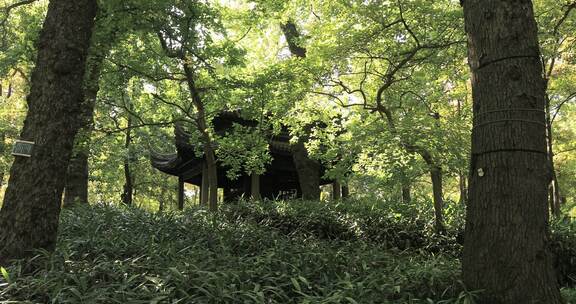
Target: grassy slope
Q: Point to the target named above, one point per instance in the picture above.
(247, 254)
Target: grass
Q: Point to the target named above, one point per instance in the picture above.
(269, 253)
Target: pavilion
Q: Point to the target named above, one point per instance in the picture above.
(280, 180)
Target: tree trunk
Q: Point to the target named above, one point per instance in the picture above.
(345, 191)
(406, 193)
(308, 172)
(336, 191)
(29, 215)
(255, 187)
(554, 189)
(212, 177)
(2, 150)
(204, 191)
(463, 189)
(436, 177)
(506, 240)
(180, 194)
(162, 199)
(128, 192)
(202, 125)
(77, 176)
(308, 169)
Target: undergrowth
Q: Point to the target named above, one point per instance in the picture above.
(273, 252)
(123, 255)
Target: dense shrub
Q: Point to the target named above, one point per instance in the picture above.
(282, 252)
(116, 255)
(410, 227)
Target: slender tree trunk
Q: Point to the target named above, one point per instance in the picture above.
(255, 187)
(180, 194)
(31, 209)
(2, 150)
(127, 194)
(345, 191)
(161, 202)
(506, 240)
(10, 90)
(463, 188)
(202, 125)
(212, 177)
(434, 169)
(554, 189)
(336, 191)
(77, 176)
(204, 191)
(406, 193)
(436, 177)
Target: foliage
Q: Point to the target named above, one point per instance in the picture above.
(118, 255)
(388, 224)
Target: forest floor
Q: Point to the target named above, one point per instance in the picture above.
(295, 252)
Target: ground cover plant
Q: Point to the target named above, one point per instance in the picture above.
(123, 255)
(270, 252)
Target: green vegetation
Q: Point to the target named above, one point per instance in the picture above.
(272, 252)
(125, 255)
(426, 151)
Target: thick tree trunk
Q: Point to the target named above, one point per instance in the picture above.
(554, 189)
(506, 241)
(255, 187)
(29, 215)
(77, 176)
(308, 172)
(308, 169)
(76, 190)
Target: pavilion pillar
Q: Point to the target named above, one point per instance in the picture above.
(180, 193)
(227, 194)
(255, 187)
(336, 191)
(345, 191)
(204, 189)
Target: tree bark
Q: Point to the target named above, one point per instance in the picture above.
(336, 191)
(204, 191)
(308, 172)
(406, 193)
(345, 191)
(2, 150)
(255, 187)
(506, 250)
(463, 189)
(128, 191)
(436, 177)
(554, 189)
(29, 215)
(77, 176)
(202, 125)
(180, 194)
(308, 169)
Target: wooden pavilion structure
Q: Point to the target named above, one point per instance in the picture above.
(280, 179)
